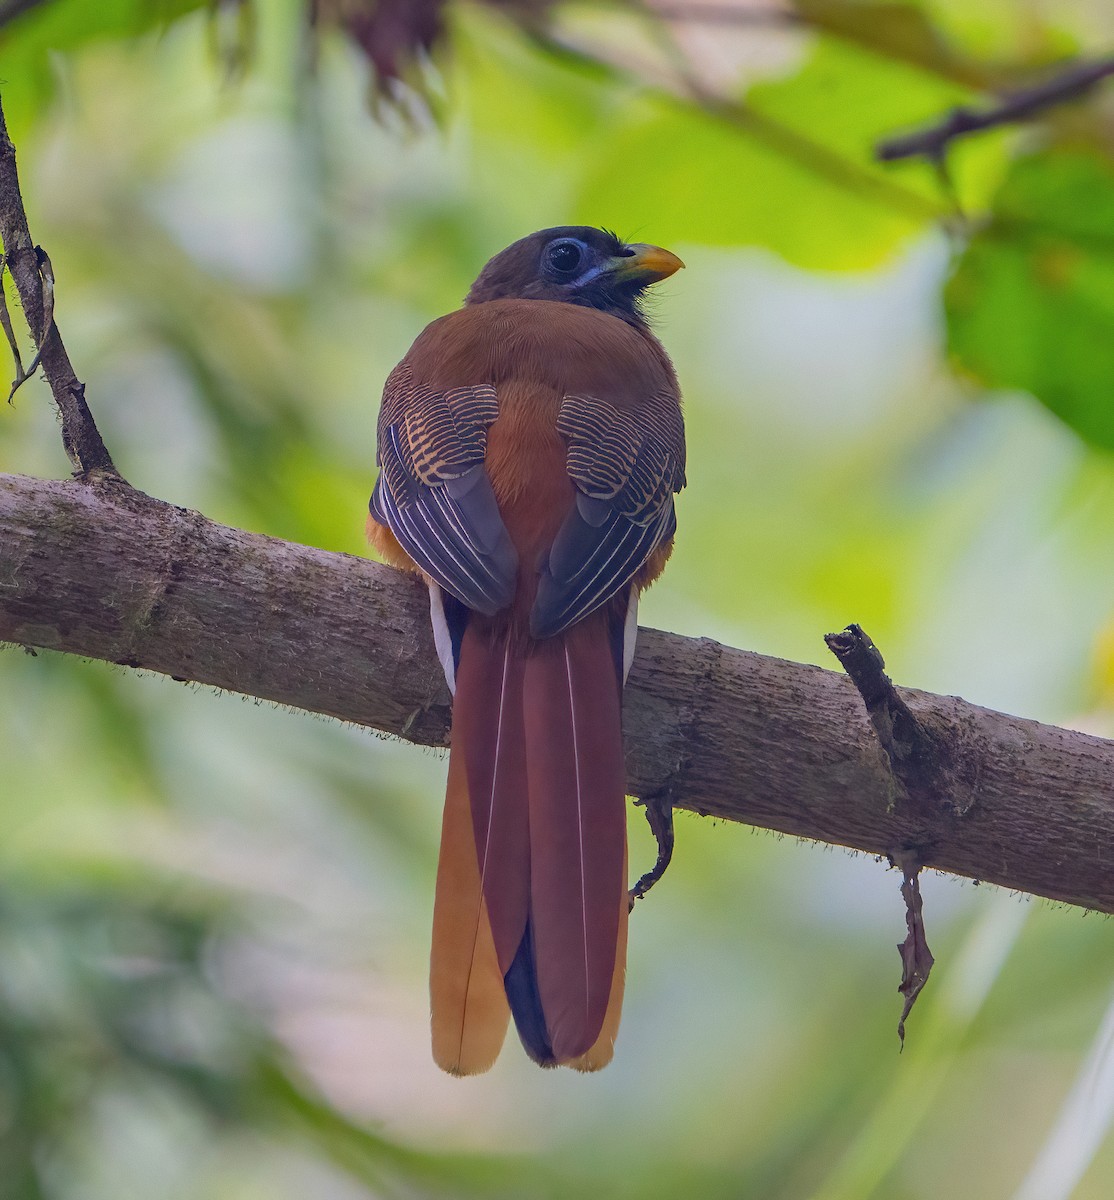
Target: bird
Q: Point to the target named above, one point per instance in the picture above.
(530, 445)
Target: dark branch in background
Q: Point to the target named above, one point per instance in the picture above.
(826, 164)
(108, 573)
(767, 131)
(901, 33)
(724, 14)
(1015, 107)
(34, 282)
(10, 9)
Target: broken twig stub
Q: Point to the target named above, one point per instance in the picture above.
(918, 761)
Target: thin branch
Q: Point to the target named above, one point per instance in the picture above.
(34, 281)
(724, 14)
(824, 163)
(782, 139)
(1014, 107)
(901, 35)
(106, 572)
(9, 332)
(10, 9)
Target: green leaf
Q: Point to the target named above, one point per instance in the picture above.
(65, 24)
(899, 31)
(790, 168)
(1031, 302)
(1001, 31)
(29, 41)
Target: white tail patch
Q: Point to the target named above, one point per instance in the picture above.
(630, 632)
(442, 639)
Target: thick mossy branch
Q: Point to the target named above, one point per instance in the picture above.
(105, 572)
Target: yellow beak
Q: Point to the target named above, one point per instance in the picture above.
(647, 263)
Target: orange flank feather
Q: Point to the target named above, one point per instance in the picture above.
(387, 545)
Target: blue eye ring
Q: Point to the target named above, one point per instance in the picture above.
(564, 256)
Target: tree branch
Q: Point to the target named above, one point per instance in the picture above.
(1023, 105)
(723, 14)
(30, 269)
(105, 572)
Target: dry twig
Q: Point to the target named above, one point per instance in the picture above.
(1017, 106)
(33, 277)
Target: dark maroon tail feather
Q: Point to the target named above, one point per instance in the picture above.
(574, 767)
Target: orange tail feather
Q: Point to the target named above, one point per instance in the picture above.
(483, 875)
(604, 1049)
(467, 1001)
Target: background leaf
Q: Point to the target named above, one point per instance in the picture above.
(1031, 302)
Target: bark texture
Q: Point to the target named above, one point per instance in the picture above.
(97, 569)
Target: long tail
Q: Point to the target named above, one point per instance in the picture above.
(483, 876)
(531, 909)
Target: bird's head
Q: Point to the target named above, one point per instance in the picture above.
(578, 265)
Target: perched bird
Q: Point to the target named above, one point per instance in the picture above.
(530, 445)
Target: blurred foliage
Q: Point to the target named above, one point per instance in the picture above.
(214, 915)
(111, 1018)
(1031, 302)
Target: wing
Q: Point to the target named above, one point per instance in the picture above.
(433, 492)
(626, 466)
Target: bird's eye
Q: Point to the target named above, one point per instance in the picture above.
(564, 257)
